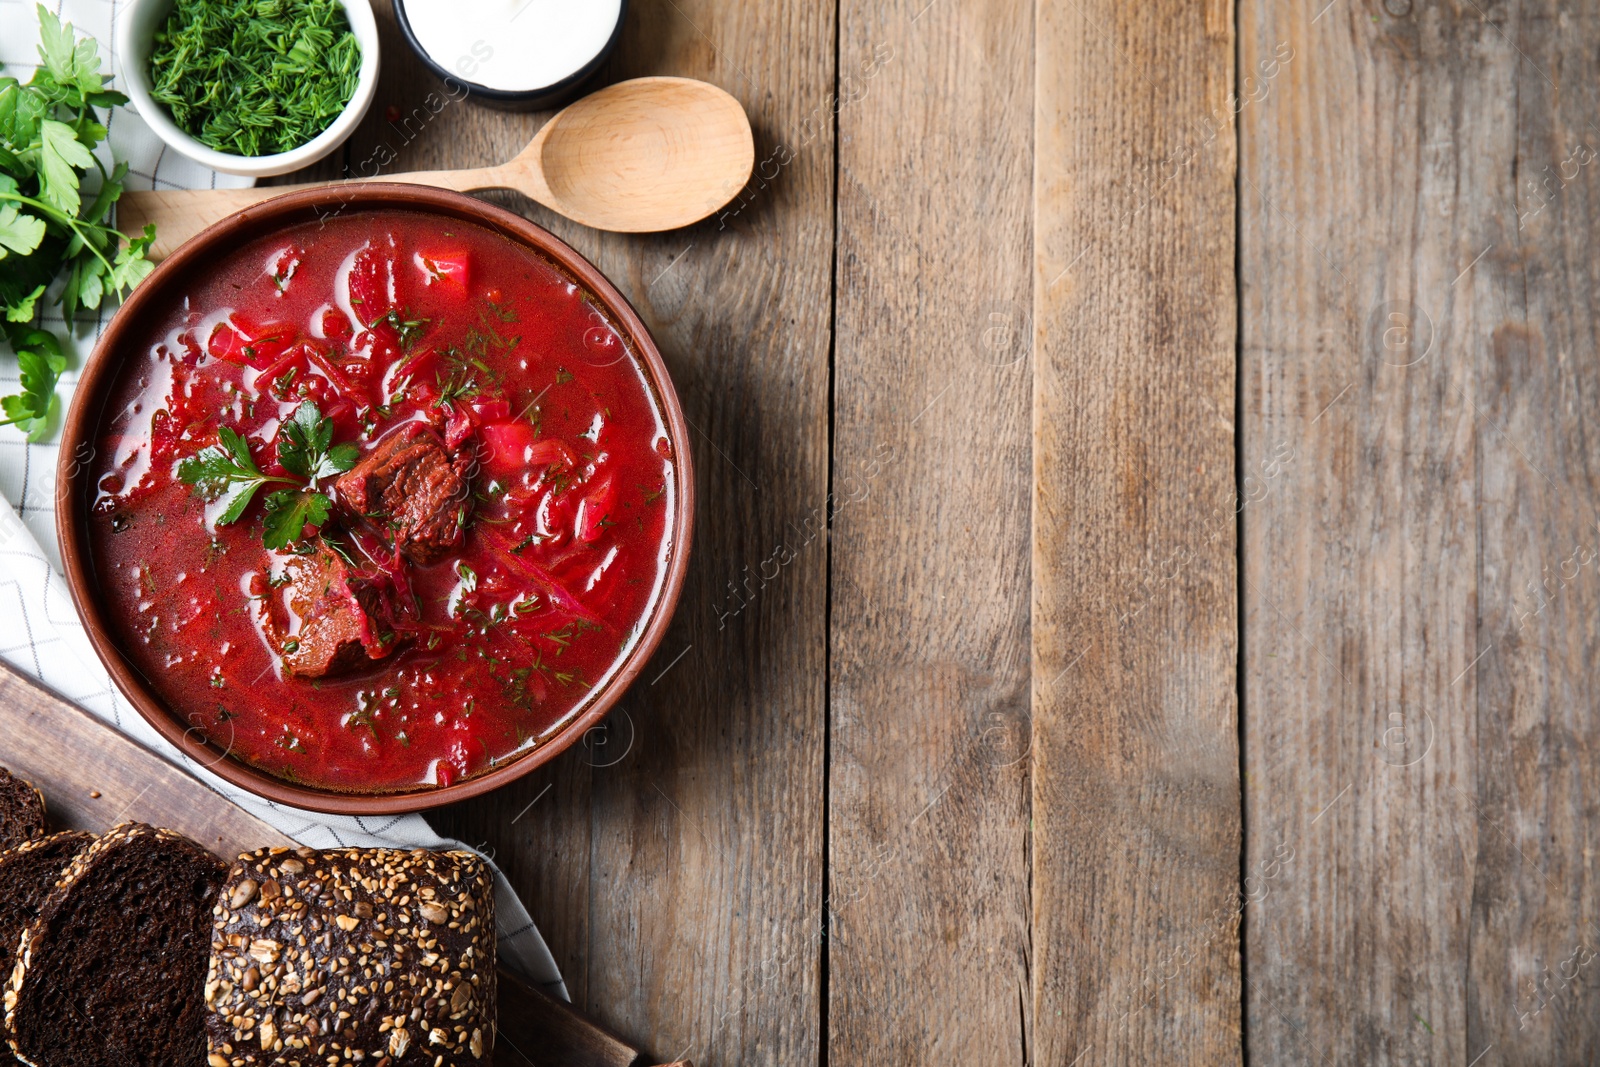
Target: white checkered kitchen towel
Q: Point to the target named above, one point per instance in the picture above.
(39, 630)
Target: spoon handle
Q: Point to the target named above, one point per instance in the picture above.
(179, 214)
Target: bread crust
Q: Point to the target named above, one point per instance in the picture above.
(319, 956)
(22, 899)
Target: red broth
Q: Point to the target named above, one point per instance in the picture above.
(382, 320)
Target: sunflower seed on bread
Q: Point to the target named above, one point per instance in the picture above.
(377, 956)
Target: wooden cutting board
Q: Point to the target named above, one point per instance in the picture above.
(93, 778)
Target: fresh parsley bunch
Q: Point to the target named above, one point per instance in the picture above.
(306, 450)
(48, 129)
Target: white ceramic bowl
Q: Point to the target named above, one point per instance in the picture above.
(137, 26)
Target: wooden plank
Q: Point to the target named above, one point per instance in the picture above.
(707, 841)
(927, 910)
(1535, 893)
(675, 865)
(536, 1030)
(1135, 776)
(1375, 173)
(93, 778)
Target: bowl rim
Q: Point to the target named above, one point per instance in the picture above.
(130, 57)
(547, 96)
(101, 371)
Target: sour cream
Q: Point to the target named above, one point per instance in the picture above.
(513, 45)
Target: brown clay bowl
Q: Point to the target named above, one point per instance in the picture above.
(153, 296)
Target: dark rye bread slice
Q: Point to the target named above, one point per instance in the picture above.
(112, 970)
(21, 811)
(27, 875)
(372, 956)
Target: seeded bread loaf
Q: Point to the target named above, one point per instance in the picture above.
(27, 875)
(111, 970)
(374, 956)
(21, 811)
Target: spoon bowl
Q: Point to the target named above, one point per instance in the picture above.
(640, 156)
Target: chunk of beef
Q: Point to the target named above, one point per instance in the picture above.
(326, 617)
(411, 492)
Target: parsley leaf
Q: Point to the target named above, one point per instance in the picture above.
(131, 266)
(60, 159)
(71, 62)
(18, 232)
(343, 457)
(85, 286)
(110, 192)
(289, 511)
(40, 361)
(57, 52)
(227, 472)
(24, 307)
(306, 448)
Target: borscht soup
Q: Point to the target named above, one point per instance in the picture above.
(381, 502)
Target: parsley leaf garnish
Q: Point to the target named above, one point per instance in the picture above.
(60, 159)
(71, 60)
(18, 232)
(131, 266)
(289, 511)
(227, 472)
(306, 450)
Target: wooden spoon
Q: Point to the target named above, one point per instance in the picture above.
(636, 157)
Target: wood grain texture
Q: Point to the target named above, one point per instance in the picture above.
(542, 1032)
(708, 840)
(928, 802)
(1535, 924)
(675, 866)
(1037, 860)
(1135, 760)
(1374, 175)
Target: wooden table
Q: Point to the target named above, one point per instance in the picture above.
(1098, 406)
